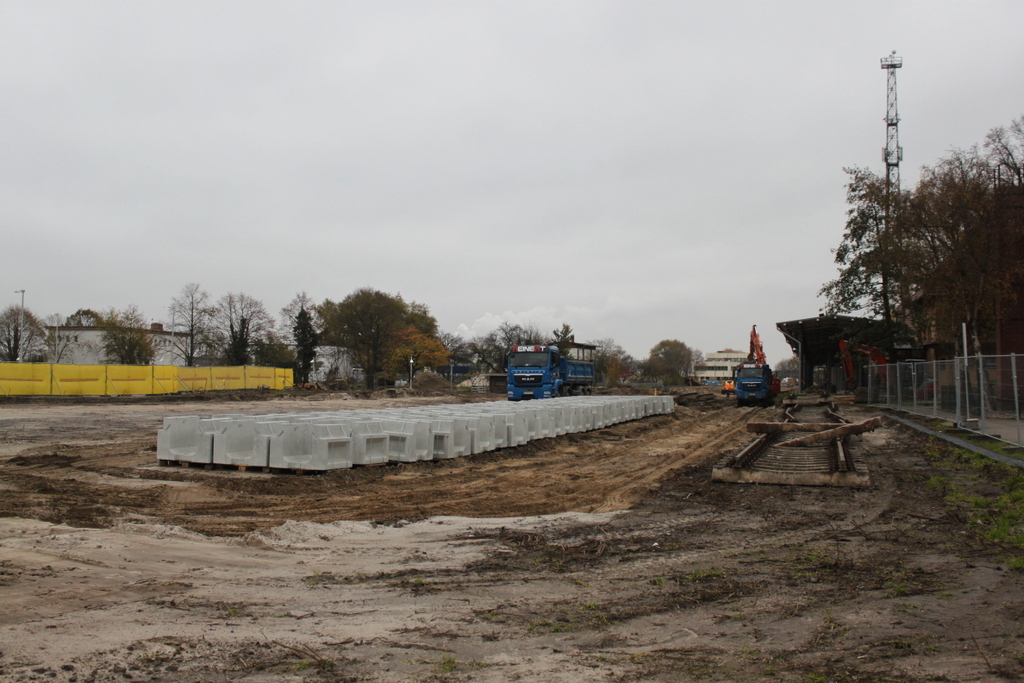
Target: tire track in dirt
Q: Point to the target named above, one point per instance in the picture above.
(719, 432)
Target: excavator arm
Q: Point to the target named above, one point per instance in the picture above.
(874, 353)
(756, 354)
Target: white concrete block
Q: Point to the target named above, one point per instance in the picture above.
(240, 442)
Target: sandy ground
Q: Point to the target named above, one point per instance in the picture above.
(609, 556)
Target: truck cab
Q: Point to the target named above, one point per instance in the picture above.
(543, 372)
(755, 384)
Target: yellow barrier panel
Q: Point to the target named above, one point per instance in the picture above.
(58, 379)
(129, 379)
(165, 379)
(229, 378)
(24, 379)
(256, 378)
(195, 379)
(79, 380)
(283, 378)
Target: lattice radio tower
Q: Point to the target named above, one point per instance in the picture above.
(893, 153)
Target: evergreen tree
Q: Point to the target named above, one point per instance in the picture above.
(306, 340)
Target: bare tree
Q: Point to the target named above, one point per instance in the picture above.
(126, 339)
(458, 349)
(788, 368)
(491, 350)
(59, 344)
(241, 322)
(21, 336)
(1005, 149)
(193, 319)
(611, 361)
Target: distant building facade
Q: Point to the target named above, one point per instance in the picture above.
(720, 365)
(84, 345)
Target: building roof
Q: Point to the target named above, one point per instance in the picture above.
(820, 336)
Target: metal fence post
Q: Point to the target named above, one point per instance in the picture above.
(1016, 395)
(913, 385)
(871, 374)
(967, 390)
(899, 389)
(981, 393)
(889, 370)
(935, 388)
(956, 390)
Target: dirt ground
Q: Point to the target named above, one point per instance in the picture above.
(608, 556)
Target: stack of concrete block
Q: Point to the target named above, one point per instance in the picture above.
(328, 440)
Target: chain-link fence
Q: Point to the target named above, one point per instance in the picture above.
(980, 393)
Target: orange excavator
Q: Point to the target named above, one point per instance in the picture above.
(846, 350)
(754, 380)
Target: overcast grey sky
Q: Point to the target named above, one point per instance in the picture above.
(640, 170)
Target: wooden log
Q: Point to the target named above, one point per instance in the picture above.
(777, 427)
(837, 433)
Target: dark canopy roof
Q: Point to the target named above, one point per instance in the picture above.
(816, 340)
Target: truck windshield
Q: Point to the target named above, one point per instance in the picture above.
(751, 372)
(528, 359)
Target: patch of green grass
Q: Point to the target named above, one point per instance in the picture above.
(447, 664)
(831, 626)
(896, 582)
(1015, 564)
(327, 579)
(997, 516)
(907, 607)
(153, 657)
(702, 574)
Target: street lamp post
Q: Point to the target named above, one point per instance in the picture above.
(410, 373)
(21, 323)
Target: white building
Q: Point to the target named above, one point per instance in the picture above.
(720, 365)
(84, 345)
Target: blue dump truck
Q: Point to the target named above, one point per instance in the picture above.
(755, 384)
(544, 372)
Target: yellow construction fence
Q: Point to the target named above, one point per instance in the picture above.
(54, 379)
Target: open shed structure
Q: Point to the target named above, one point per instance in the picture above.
(815, 341)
